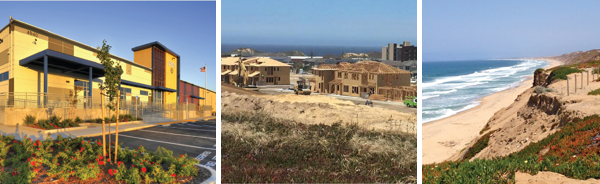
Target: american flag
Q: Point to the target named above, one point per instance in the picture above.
(203, 69)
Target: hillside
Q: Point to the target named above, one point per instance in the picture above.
(552, 126)
(578, 57)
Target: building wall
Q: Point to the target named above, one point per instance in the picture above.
(31, 81)
(143, 57)
(5, 49)
(322, 79)
(170, 77)
(397, 80)
(282, 75)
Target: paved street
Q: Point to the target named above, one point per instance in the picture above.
(196, 139)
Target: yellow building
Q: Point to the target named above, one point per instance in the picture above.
(35, 61)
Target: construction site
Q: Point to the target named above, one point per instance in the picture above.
(364, 83)
(282, 127)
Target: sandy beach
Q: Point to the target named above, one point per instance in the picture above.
(443, 138)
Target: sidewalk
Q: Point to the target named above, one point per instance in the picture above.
(92, 130)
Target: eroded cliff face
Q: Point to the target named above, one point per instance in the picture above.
(542, 78)
(532, 117)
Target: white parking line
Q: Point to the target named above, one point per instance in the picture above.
(177, 134)
(195, 125)
(191, 129)
(166, 142)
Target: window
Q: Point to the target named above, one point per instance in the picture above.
(345, 75)
(125, 90)
(346, 88)
(354, 76)
(339, 74)
(145, 93)
(4, 76)
(84, 85)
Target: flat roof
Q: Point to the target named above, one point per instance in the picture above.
(64, 62)
(46, 32)
(155, 43)
(197, 86)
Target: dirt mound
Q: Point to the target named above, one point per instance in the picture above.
(232, 89)
(318, 110)
(292, 98)
(547, 178)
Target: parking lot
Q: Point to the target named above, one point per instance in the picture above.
(196, 139)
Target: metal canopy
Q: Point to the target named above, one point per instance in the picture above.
(135, 84)
(196, 97)
(159, 88)
(63, 62)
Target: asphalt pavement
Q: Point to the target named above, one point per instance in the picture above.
(196, 139)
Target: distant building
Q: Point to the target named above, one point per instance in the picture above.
(410, 65)
(261, 71)
(395, 52)
(364, 77)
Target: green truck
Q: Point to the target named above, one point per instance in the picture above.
(410, 101)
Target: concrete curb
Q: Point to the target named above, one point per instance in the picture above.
(213, 175)
(52, 130)
(120, 130)
(112, 124)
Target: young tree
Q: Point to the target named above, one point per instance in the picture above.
(110, 87)
(73, 100)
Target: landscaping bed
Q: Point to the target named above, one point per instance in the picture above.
(573, 151)
(73, 160)
(54, 122)
(122, 118)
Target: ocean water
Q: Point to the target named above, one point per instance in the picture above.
(317, 50)
(450, 87)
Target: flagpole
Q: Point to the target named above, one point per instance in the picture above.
(205, 79)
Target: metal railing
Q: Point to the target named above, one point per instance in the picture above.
(174, 111)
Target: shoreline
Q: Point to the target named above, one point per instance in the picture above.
(439, 143)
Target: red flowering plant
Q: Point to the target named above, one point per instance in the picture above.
(66, 158)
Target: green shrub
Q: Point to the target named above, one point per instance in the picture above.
(563, 71)
(29, 120)
(595, 92)
(55, 121)
(78, 120)
(478, 146)
(539, 70)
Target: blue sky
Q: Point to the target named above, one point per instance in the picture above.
(187, 28)
(319, 22)
(463, 30)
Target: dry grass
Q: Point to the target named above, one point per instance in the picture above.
(259, 148)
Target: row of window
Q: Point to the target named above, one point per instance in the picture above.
(354, 76)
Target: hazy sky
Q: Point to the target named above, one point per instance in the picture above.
(187, 28)
(319, 22)
(458, 30)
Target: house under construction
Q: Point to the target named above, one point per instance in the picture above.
(255, 71)
(362, 79)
